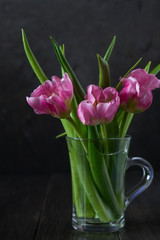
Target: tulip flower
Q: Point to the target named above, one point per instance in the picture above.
(136, 94)
(53, 97)
(100, 105)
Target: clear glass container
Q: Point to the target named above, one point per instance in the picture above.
(98, 169)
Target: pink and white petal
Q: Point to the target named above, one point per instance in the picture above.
(56, 84)
(102, 108)
(130, 89)
(144, 100)
(139, 74)
(146, 80)
(39, 105)
(106, 111)
(110, 93)
(56, 80)
(129, 81)
(67, 83)
(59, 105)
(49, 86)
(41, 90)
(112, 109)
(89, 95)
(87, 113)
(142, 77)
(94, 93)
(153, 82)
(66, 96)
(98, 93)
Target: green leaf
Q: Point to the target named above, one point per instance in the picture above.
(148, 67)
(110, 49)
(74, 102)
(156, 70)
(61, 135)
(32, 60)
(68, 128)
(62, 48)
(104, 73)
(130, 70)
(79, 92)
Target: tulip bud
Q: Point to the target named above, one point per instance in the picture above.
(100, 105)
(53, 97)
(136, 94)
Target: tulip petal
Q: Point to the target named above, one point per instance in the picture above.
(53, 97)
(106, 111)
(87, 113)
(39, 105)
(153, 82)
(147, 80)
(46, 89)
(102, 111)
(59, 105)
(66, 83)
(136, 95)
(56, 83)
(100, 106)
(109, 93)
(144, 100)
(63, 87)
(94, 93)
(131, 88)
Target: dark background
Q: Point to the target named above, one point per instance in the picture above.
(86, 27)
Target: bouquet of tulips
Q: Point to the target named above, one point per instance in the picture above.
(104, 112)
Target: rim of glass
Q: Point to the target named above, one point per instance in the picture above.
(127, 137)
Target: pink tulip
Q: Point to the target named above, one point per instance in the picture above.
(53, 97)
(136, 94)
(100, 105)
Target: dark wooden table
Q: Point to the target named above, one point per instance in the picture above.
(39, 208)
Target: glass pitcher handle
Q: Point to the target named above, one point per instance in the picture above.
(145, 181)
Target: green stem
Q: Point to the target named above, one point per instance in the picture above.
(76, 128)
(99, 171)
(104, 136)
(82, 168)
(103, 131)
(119, 86)
(80, 199)
(73, 123)
(127, 118)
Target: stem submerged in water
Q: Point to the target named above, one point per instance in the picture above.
(104, 136)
